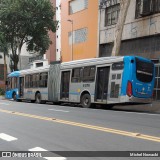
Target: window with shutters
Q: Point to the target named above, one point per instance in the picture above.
(77, 5)
(112, 12)
(147, 7)
(79, 36)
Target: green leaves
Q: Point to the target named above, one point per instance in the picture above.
(27, 21)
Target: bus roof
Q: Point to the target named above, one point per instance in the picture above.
(91, 61)
(14, 74)
(35, 70)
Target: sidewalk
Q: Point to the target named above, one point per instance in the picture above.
(2, 97)
(154, 107)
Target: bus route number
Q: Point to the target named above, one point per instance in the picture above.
(86, 85)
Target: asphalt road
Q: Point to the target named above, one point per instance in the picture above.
(29, 126)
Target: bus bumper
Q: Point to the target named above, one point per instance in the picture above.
(140, 100)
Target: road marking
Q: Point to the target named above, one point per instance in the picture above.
(83, 125)
(58, 110)
(7, 137)
(39, 149)
(5, 103)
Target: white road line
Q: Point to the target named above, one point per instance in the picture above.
(7, 137)
(38, 149)
(58, 110)
(5, 103)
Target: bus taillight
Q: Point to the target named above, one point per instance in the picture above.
(129, 89)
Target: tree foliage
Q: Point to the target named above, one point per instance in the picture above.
(27, 21)
(4, 48)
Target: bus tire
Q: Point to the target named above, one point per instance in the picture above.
(86, 100)
(14, 96)
(38, 98)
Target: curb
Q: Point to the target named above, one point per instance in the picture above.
(2, 98)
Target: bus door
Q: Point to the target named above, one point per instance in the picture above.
(21, 87)
(102, 84)
(65, 85)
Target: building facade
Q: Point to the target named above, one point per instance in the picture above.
(79, 31)
(51, 52)
(141, 33)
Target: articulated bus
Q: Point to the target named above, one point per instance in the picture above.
(105, 81)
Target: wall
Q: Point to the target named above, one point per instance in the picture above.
(58, 32)
(51, 52)
(140, 36)
(87, 18)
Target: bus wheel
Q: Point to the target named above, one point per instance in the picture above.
(86, 101)
(38, 98)
(14, 96)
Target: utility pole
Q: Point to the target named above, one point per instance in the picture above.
(71, 21)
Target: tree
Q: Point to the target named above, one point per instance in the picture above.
(27, 21)
(4, 48)
(124, 5)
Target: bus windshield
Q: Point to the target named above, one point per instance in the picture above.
(144, 70)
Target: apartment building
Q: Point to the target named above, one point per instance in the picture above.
(79, 29)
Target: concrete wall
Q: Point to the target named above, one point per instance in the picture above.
(133, 28)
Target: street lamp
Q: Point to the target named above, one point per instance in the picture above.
(71, 21)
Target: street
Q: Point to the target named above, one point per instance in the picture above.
(46, 127)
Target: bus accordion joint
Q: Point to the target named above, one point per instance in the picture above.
(129, 89)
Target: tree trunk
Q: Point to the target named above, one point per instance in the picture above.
(124, 4)
(14, 58)
(19, 57)
(5, 68)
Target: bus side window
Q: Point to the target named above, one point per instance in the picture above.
(26, 81)
(76, 75)
(89, 74)
(37, 80)
(31, 81)
(34, 80)
(43, 79)
(9, 84)
(118, 66)
(46, 79)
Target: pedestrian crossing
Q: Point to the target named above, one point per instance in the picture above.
(9, 138)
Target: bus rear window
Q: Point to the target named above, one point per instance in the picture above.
(144, 70)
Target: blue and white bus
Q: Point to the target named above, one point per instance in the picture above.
(105, 81)
(12, 89)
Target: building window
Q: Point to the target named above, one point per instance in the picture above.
(77, 5)
(112, 13)
(147, 7)
(79, 36)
